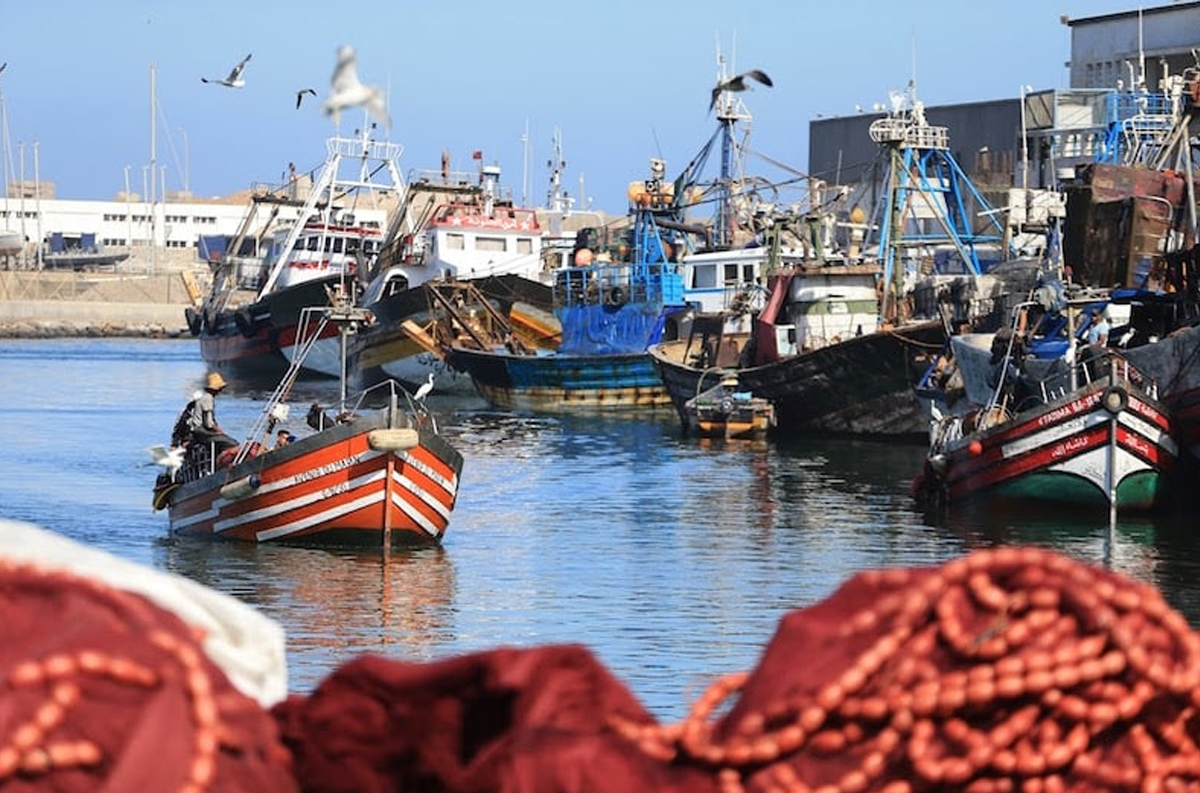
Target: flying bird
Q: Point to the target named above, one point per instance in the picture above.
(424, 390)
(738, 83)
(170, 459)
(346, 90)
(235, 79)
(300, 95)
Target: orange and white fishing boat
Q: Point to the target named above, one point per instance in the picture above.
(375, 473)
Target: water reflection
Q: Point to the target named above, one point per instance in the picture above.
(335, 604)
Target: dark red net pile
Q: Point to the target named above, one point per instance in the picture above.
(101, 690)
(1013, 669)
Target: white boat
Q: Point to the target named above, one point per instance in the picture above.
(467, 230)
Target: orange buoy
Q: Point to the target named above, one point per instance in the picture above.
(975, 448)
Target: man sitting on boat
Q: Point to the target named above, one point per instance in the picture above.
(197, 428)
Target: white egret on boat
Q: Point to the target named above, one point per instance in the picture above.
(424, 390)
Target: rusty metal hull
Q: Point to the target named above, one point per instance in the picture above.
(864, 386)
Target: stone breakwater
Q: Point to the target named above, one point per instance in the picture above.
(55, 328)
(89, 305)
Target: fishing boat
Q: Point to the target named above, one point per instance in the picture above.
(1045, 420)
(467, 229)
(620, 296)
(1132, 221)
(376, 472)
(298, 244)
(726, 411)
(845, 332)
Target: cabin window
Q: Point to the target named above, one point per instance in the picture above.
(731, 274)
(492, 244)
(455, 242)
(370, 246)
(524, 245)
(311, 243)
(704, 277)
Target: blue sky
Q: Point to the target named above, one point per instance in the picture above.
(621, 81)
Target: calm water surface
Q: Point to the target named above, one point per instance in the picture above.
(671, 559)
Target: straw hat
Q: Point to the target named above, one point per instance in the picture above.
(214, 381)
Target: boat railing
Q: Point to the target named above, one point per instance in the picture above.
(618, 284)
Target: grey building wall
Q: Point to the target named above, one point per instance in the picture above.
(984, 139)
(1105, 47)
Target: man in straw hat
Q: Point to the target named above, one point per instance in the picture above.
(202, 415)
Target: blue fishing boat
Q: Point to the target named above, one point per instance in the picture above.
(620, 296)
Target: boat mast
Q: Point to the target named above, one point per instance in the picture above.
(924, 182)
(729, 109)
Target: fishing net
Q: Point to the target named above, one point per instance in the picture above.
(104, 691)
(1014, 669)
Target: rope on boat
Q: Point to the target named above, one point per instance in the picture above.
(1008, 670)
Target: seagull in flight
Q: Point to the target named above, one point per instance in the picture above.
(170, 459)
(300, 95)
(424, 390)
(235, 79)
(346, 90)
(738, 83)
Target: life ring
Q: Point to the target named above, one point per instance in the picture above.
(616, 296)
(193, 319)
(1115, 399)
(244, 322)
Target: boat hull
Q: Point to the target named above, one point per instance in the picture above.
(560, 383)
(257, 339)
(346, 485)
(1103, 446)
(863, 386)
(386, 351)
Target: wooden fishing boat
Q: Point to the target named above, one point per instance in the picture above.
(618, 298)
(1048, 426)
(377, 473)
(726, 411)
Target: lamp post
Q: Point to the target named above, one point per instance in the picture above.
(1025, 90)
(128, 214)
(186, 168)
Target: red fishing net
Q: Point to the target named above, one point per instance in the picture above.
(1010, 670)
(1014, 669)
(104, 691)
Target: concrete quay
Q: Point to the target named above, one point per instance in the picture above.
(44, 304)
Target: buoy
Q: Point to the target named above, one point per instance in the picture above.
(393, 440)
(240, 488)
(975, 448)
(583, 257)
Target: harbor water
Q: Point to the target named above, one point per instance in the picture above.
(670, 558)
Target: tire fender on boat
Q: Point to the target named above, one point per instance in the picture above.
(1115, 399)
(616, 296)
(244, 322)
(193, 319)
(210, 319)
(396, 439)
